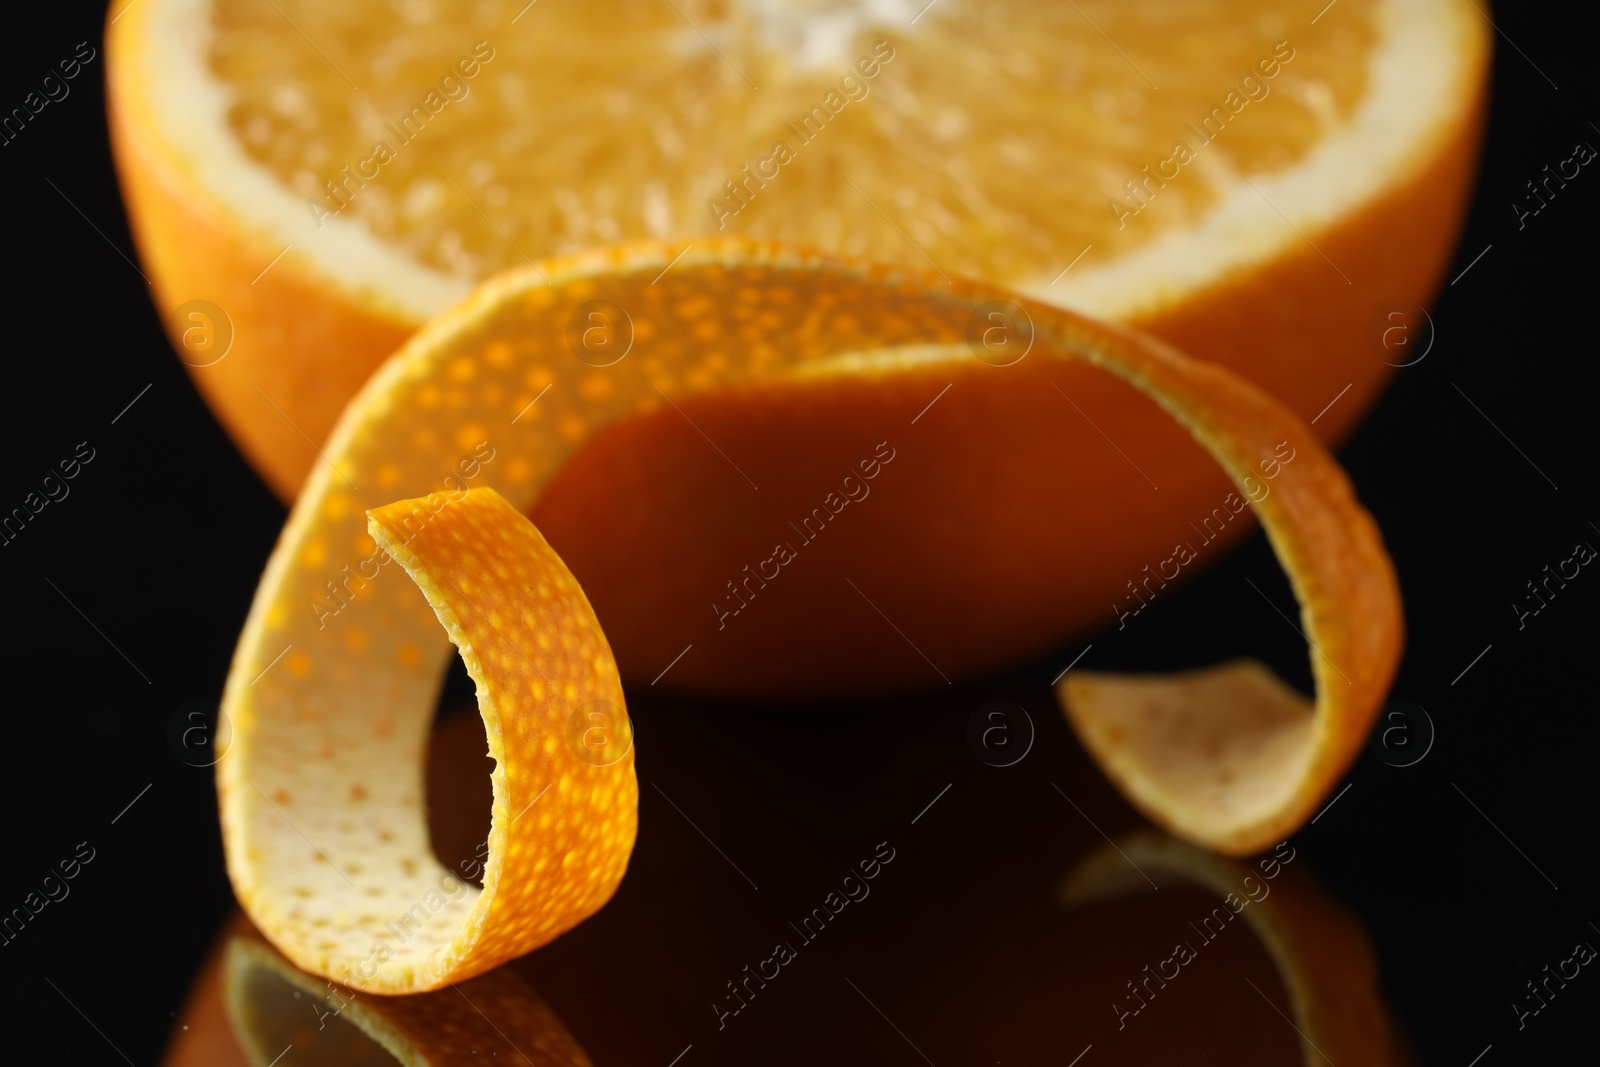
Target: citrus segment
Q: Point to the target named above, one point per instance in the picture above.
(321, 800)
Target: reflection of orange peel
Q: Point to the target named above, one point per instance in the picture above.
(321, 796)
(1321, 952)
(272, 1007)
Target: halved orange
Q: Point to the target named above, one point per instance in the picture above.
(1290, 169)
(333, 683)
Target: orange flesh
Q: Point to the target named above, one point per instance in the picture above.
(989, 144)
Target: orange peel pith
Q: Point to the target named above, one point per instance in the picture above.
(328, 845)
(1231, 757)
(504, 388)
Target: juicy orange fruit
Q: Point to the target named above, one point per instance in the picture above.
(1246, 180)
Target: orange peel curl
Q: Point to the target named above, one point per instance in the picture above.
(327, 847)
(338, 666)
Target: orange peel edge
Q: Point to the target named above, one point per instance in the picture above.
(1230, 757)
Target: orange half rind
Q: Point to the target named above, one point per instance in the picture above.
(334, 678)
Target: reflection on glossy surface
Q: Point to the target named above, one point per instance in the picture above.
(1323, 957)
(252, 1007)
(1004, 930)
(272, 1013)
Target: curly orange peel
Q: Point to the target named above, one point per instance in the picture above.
(333, 858)
(1230, 757)
(336, 672)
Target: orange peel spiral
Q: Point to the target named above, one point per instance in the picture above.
(335, 676)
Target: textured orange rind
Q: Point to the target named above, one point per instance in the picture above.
(338, 666)
(327, 844)
(1230, 757)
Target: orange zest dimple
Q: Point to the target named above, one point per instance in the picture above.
(328, 846)
(500, 392)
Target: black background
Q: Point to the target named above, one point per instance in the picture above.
(164, 534)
